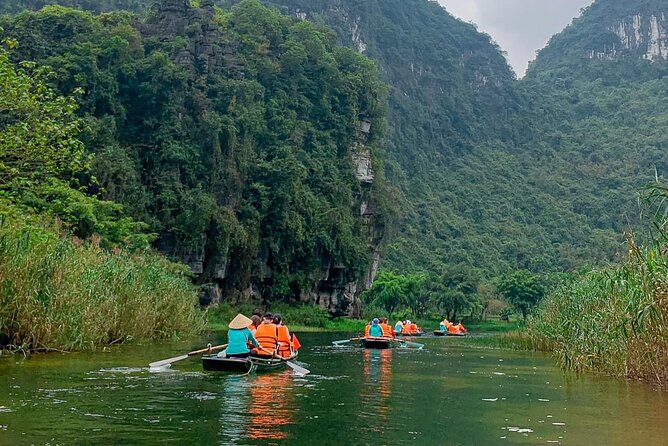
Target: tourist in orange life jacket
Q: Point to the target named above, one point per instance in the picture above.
(451, 328)
(460, 328)
(387, 330)
(367, 330)
(267, 335)
(285, 347)
(413, 328)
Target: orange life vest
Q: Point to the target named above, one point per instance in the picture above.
(284, 342)
(387, 330)
(367, 330)
(267, 337)
(451, 328)
(413, 328)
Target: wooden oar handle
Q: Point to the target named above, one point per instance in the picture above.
(208, 349)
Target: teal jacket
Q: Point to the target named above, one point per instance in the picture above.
(376, 331)
(237, 341)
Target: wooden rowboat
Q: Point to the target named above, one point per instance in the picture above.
(447, 333)
(376, 342)
(214, 363)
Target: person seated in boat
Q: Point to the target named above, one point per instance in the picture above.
(451, 328)
(398, 328)
(267, 336)
(445, 323)
(412, 328)
(375, 331)
(459, 328)
(367, 329)
(387, 330)
(285, 345)
(256, 320)
(239, 338)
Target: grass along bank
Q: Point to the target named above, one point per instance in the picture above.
(611, 321)
(58, 293)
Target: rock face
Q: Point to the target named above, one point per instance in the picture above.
(203, 50)
(335, 291)
(642, 35)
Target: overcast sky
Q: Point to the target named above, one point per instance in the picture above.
(520, 27)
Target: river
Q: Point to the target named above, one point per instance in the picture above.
(445, 394)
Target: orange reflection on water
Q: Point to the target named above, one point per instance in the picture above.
(272, 408)
(378, 376)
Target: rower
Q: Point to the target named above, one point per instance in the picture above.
(460, 328)
(239, 337)
(375, 331)
(443, 326)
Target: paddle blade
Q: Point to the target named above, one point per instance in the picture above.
(412, 345)
(164, 362)
(344, 341)
(299, 370)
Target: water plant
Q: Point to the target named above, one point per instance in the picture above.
(613, 320)
(62, 293)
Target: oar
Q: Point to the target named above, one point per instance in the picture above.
(165, 362)
(411, 344)
(296, 367)
(345, 341)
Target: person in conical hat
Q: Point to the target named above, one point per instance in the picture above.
(240, 338)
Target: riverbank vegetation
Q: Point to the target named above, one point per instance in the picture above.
(75, 272)
(64, 293)
(613, 320)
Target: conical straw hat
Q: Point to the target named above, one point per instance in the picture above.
(239, 322)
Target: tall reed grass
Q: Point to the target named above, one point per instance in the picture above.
(60, 293)
(611, 321)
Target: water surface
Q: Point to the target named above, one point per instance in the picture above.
(445, 394)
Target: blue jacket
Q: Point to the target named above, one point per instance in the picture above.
(237, 341)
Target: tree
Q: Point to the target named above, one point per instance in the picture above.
(388, 291)
(522, 290)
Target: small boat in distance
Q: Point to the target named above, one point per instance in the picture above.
(214, 363)
(447, 333)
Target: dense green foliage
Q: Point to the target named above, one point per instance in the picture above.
(522, 290)
(241, 163)
(16, 6)
(457, 293)
(60, 285)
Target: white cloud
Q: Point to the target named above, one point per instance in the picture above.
(520, 27)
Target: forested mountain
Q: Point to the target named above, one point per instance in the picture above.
(489, 173)
(245, 139)
(466, 147)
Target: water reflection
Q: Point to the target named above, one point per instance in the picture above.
(377, 386)
(257, 408)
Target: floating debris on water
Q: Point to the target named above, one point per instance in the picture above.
(543, 400)
(558, 424)
(519, 430)
(491, 400)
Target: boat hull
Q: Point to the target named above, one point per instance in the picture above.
(213, 363)
(376, 343)
(445, 333)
